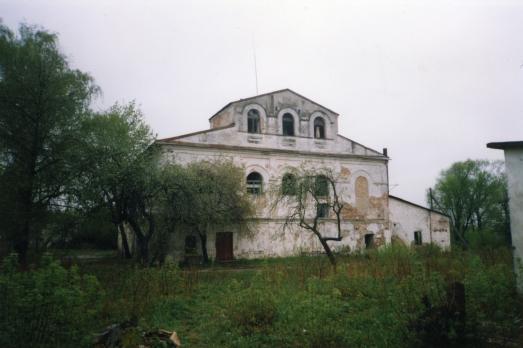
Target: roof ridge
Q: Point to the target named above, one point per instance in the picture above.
(196, 133)
(417, 205)
(360, 144)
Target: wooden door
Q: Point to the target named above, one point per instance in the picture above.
(224, 246)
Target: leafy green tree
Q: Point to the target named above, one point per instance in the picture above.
(121, 171)
(474, 194)
(204, 195)
(218, 199)
(43, 102)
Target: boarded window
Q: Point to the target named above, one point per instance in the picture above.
(362, 193)
(321, 186)
(253, 121)
(288, 125)
(319, 128)
(417, 238)
(254, 183)
(322, 210)
(288, 185)
(369, 240)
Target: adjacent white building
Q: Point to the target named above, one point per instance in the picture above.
(412, 223)
(269, 135)
(514, 169)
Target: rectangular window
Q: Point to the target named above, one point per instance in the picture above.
(253, 125)
(254, 187)
(417, 238)
(321, 186)
(322, 210)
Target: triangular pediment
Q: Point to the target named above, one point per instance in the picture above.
(294, 98)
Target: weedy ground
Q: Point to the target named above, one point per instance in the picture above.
(393, 297)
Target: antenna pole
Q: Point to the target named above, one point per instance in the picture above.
(255, 66)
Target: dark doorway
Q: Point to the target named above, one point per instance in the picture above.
(190, 245)
(224, 246)
(369, 241)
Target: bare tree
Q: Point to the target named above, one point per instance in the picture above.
(311, 197)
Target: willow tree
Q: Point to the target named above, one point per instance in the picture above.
(43, 102)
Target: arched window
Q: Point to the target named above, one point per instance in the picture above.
(288, 124)
(319, 128)
(254, 183)
(321, 186)
(288, 185)
(253, 121)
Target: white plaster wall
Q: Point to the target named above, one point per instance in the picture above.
(514, 169)
(272, 167)
(272, 239)
(271, 108)
(406, 218)
(272, 155)
(272, 104)
(234, 137)
(268, 237)
(440, 230)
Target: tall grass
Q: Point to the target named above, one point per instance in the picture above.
(47, 307)
(392, 297)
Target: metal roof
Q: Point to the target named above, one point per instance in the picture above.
(506, 145)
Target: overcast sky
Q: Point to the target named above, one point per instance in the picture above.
(433, 81)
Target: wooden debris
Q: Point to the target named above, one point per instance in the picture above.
(113, 336)
(174, 338)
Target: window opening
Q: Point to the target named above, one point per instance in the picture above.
(288, 185)
(190, 245)
(319, 128)
(417, 238)
(254, 183)
(253, 121)
(322, 210)
(321, 186)
(288, 125)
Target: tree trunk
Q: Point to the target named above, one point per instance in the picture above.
(327, 249)
(23, 238)
(21, 248)
(125, 243)
(142, 241)
(143, 247)
(203, 241)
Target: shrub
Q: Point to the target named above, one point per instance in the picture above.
(46, 307)
(138, 289)
(491, 301)
(252, 310)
